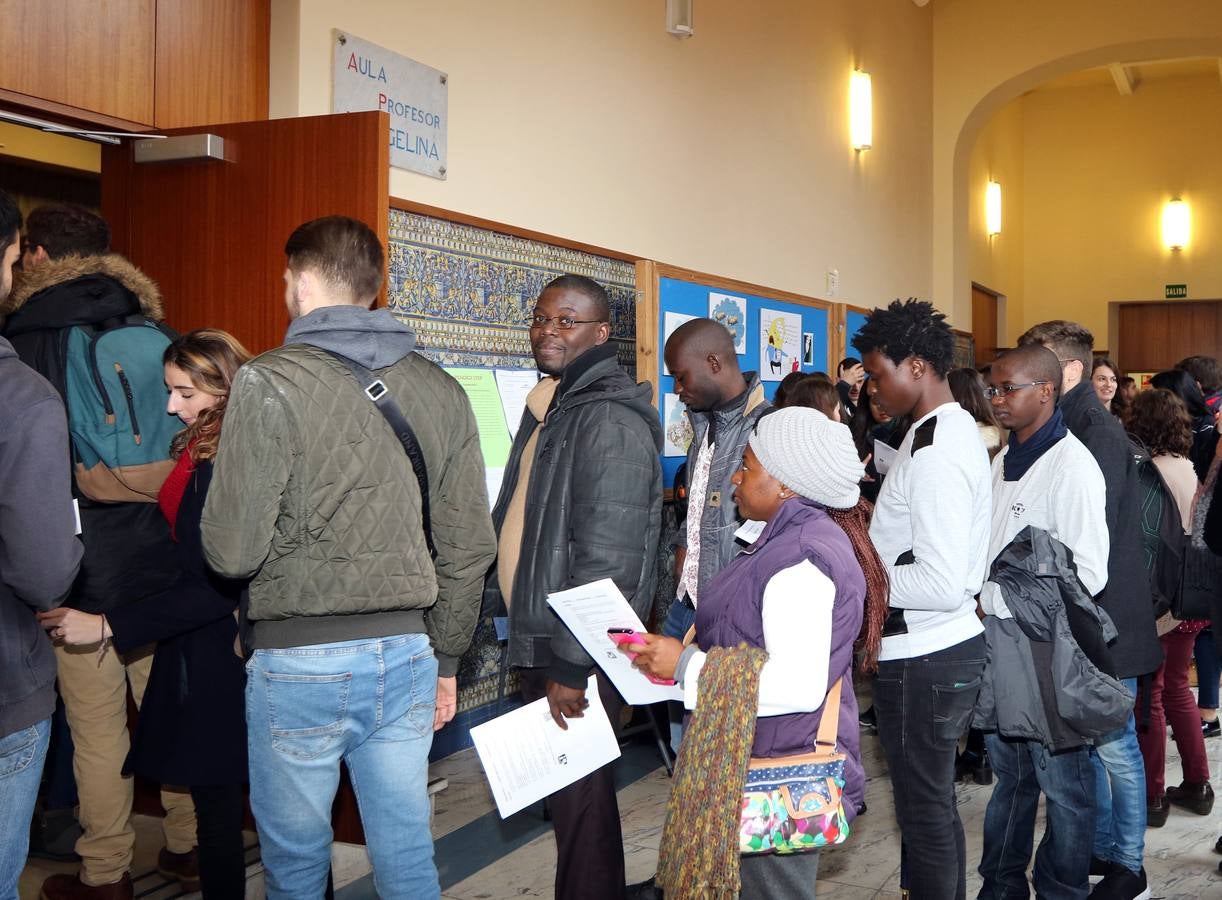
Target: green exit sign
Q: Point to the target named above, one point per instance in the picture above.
(1176, 291)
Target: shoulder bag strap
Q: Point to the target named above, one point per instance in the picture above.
(375, 389)
(830, 723)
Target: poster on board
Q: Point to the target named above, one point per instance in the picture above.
(780, 339)
(677, 432)
(731, 312)
(672, 321)
(808, 348)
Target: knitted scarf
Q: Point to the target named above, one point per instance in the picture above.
(698, 855)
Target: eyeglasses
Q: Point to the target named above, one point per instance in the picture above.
(1007, 389)
(564, 323)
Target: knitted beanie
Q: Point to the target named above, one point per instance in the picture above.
(809, 453)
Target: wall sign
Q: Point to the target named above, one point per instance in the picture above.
(366, 76)
(1175, 292)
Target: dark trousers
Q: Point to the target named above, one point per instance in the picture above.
(585, 815)
(1062, 863)
(923, 706)
(219, 812)
(769, 876)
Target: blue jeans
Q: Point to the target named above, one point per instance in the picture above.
(21, 757)
(679, 620)
(1120, 795)
(1062, 862)
(1206, 652)
(367, 702)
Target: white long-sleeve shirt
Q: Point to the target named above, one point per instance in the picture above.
(797, 617)
(935, 505)
(1064, 494)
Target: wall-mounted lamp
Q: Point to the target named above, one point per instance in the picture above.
(679, 18)
(1177, 224)
(861, 113)
(992, 208)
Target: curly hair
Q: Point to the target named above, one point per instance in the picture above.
(908, 328)
(211, 359)
(1159, 419)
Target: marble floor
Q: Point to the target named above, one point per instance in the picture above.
(481, 857)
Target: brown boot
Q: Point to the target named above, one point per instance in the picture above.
(70, 887)
(180, 867)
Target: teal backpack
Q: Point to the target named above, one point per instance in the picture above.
(116, 399)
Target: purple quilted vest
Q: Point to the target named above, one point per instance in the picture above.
(730, 613)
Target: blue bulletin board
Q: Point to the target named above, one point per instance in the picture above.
(800, 326)
(853, 320)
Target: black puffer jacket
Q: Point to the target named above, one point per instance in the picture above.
(1127, 596)
(127, 545)
(593, 509)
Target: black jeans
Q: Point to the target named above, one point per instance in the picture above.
(924, 705)
(585, 815)
(219, 811)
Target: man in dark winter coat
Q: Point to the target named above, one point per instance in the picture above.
(39, 555)
(70, 278)
(1120, 793)
(581, 501)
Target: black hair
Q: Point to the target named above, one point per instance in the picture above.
(1205, 370)
(343, 252)
(64, 229)
(588, 288)
(1038, 362)
(781, 398)
(908, 328)
(1184, 386)
(10, 221)
(847, 363)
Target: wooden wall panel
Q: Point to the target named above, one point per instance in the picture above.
(212, 233)
(1155, 336)
(212, 61)
(80, 53)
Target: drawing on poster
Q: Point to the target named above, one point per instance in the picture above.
(732, 313)
(808, 348)
(780, 344)
(678, 430)
(671, 321)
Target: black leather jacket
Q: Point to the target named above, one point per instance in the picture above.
(593, 509)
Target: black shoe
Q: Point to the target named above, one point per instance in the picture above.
(1156, 812)
(868, 719)
(1211, 729)
(1122, 884)
(973, 765)
(645, 890)
(1218, 846)
(1197, 798)
(53, 835)
(1101, 866)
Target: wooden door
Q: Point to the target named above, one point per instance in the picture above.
(211, 233)
(984, 325)
(1154, 336)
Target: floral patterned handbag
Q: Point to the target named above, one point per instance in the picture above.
(794, 803)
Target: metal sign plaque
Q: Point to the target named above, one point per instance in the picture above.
(366, 76)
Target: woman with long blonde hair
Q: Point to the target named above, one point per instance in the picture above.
(192, 726)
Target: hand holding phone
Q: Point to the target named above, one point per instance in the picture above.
(624, 636)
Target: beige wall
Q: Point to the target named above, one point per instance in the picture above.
(997, 261)
(727, 152)
(1098, 168)
(988, 52)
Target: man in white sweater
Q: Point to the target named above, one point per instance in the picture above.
(1044, 478)
(931, 529)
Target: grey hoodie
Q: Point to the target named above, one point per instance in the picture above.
(39, 552)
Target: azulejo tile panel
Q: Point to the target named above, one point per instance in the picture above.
(467, 293)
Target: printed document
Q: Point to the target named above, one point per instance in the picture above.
(527, 756)
(588, 611)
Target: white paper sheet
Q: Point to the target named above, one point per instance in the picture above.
(513, 386)
(670, 322)
(750, 531)
(526, 756)
(588, 611)
(884, 457)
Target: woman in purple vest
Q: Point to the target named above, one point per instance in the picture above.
(798, 593)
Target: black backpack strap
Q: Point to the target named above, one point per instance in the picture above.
(375, 389)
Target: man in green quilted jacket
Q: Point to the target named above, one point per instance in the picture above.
(356, 630)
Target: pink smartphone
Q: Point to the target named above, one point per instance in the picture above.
(623, 636)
